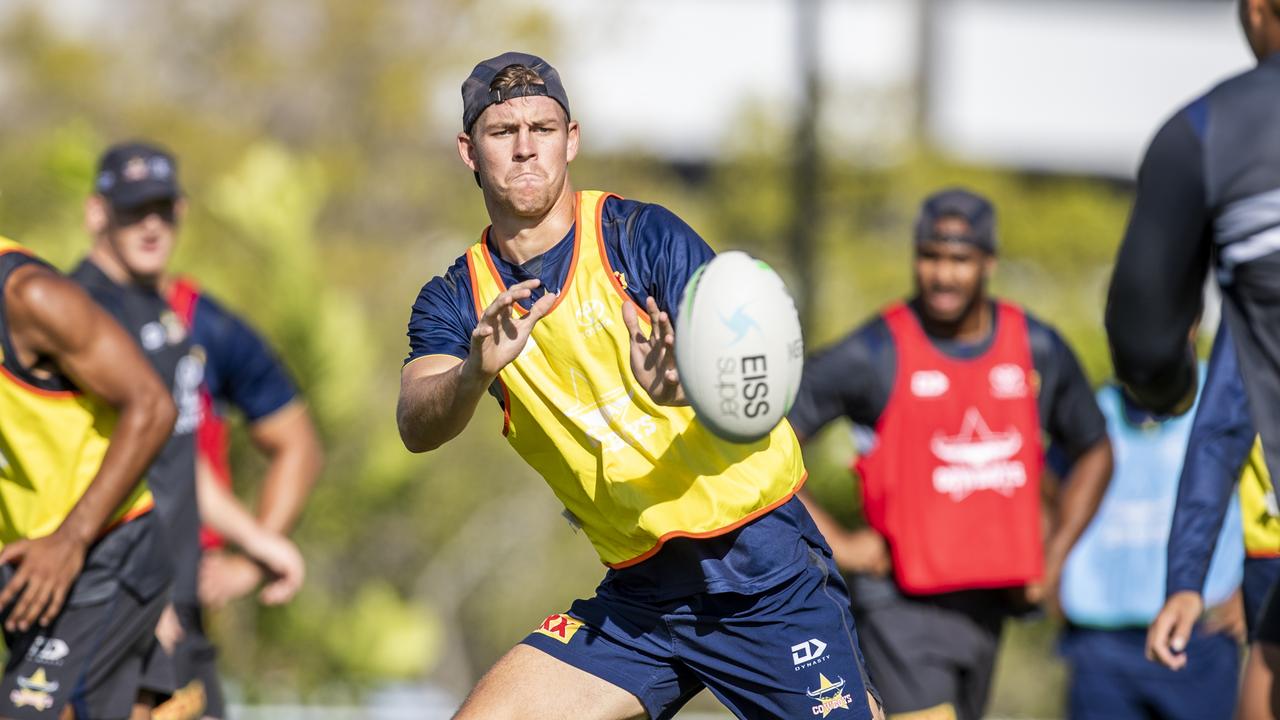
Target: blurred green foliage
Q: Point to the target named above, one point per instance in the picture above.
(325, 191)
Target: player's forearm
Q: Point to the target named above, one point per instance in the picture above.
(144, 423)
(434, 409)
(221, 511)
(294, 467)
(1080, 497)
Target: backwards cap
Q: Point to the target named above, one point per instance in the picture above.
(476, 95)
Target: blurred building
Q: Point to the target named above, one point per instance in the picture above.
(1074, 86)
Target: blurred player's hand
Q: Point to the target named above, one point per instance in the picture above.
(47, 567)
(1228, 618)
(1045, 592)
(169, 629)
(1171, 630)
(864, 551)
(653, 358)
(280, 557)
(500, 336)
(226, 576)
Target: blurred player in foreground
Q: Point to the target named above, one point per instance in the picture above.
(84, 568)
(241, 373)
(718, 577)
(952, 391)
(133, 217)
(1209, 190)
(1114, 584)
(1222, 448)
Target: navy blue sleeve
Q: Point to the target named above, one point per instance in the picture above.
(1221, 438)
(443, 315)
(1068, 407)
(852, 379)
(1155, 288)
(241, 369)
(655, 251)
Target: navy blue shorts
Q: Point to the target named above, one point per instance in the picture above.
(1111, 677)
(790, 651)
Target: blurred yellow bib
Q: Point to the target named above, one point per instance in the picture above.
(1258, 507)
(51, 444)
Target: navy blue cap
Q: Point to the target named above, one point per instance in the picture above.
(969, 206)
(135, 173)
(477, 95)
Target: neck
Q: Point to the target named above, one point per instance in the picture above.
(519, 238)
(110, 264)
(971, 327)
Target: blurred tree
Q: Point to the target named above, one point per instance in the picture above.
(316, 144)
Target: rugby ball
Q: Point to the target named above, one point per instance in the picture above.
(738, 347)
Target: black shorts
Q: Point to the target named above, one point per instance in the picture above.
(1268, 629)
(96, 650)
(929, 652)
(196, 661)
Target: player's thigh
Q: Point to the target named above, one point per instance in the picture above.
(1259, 696)
(787, 652)
(528, 684)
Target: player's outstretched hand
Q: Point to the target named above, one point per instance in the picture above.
(1171, 630)
(47, 567)
(653, 357)
(500, 336)
(281, 559)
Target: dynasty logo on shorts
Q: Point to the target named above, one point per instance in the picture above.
(561, 627)
(48, 651)
(34, 691)
(809, 653)
(830, 696)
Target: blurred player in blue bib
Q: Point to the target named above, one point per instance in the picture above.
(1114, 581)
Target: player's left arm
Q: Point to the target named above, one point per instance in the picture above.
(289, 441)
(222, 511)
(279, 423)
(660, 253)
(1154, 297)
(1076, 424)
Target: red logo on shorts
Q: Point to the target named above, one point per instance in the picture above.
(559, 626)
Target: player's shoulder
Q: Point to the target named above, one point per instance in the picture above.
(1048, 345)
(867, 341)
(454, 282)
(639, 219)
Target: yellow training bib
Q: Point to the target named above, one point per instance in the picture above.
(52, 442)
(1257, 507)
(631, 473)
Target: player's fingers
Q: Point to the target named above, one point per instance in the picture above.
(540, 308)
(28, 607)
(1156, 635)
(56, 598)
(631, 319)
(13, 552)
(13, 588)
(1160, 642)
(501, 305)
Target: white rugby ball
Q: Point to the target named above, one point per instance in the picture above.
(738, 347)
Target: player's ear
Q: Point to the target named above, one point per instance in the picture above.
(179, 210)
(97, 216)
(467, 151)
(989, 265)
(571, 150)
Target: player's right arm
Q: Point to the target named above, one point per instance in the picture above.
(1221, 437)
(50, 317)
(439, 393)
(1154, 296)
(844, 380)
